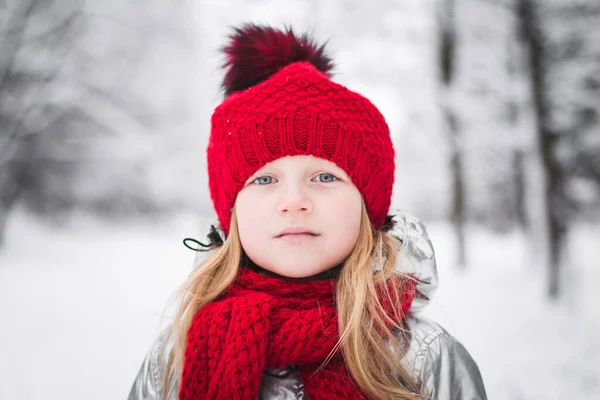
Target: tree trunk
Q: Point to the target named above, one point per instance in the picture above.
(447, 67)
(458, 191)
(533, 36)
(520, 192)
(9, 195)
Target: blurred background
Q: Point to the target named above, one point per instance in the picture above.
(494, 107)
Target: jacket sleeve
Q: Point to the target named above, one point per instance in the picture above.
(448, 370)
(148, 384)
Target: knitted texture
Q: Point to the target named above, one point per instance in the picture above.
(265, 322)
(299, 111)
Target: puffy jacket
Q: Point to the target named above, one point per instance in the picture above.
(435, 358)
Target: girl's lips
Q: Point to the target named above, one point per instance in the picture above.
(296, 230)
(297, 237)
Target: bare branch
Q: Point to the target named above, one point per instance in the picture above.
(14, 46)
(14, 133)
(133, 106)
(60, 28)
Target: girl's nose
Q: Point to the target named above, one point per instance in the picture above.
(294, 200)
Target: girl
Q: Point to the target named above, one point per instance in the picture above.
(313, 289)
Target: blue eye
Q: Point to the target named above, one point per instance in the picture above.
(264, 180)
(326, 177)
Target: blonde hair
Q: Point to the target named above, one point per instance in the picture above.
(372, 351)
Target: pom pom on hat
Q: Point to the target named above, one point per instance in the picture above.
(256, 52)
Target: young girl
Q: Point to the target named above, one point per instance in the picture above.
(313, 289)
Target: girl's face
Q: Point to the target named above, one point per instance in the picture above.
(299, 216)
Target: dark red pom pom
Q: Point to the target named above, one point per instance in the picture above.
(256, 52)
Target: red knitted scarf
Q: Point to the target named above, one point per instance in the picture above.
(264, 322)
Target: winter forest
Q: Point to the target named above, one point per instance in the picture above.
(494, 108)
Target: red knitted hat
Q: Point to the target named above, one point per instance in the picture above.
(280, 102)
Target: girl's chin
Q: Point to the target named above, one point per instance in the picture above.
(297, 272)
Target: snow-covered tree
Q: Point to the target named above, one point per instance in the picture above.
(85, 90)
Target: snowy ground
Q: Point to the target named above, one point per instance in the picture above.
(80, 306)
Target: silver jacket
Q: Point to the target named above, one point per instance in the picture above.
(435, 358)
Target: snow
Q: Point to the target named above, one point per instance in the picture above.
(526, 347)
(81, 305)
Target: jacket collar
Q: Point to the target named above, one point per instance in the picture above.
(417, 257)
